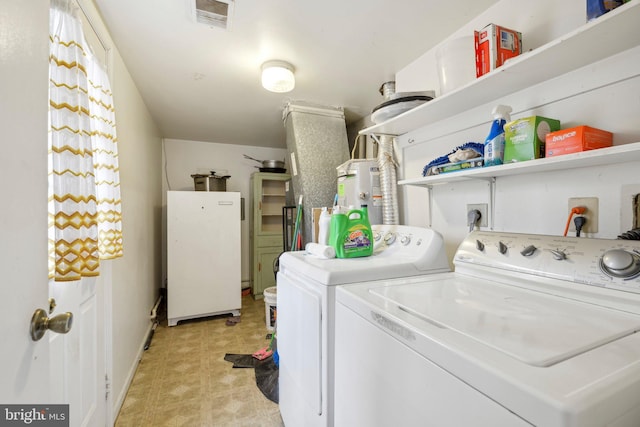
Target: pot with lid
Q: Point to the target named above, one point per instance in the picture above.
(211, 182)
(218, 182)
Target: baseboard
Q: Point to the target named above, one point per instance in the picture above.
(123, 393)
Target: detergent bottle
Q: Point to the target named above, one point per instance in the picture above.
(494, 144)
(337, 222)
(351, 234)
(324, 227)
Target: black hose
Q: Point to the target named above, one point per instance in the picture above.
(276, 265)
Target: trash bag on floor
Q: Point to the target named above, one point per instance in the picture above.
(267, 378)
(266, 368)
(241, 360)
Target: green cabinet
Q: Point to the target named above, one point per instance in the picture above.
(264, 275)
(265, 231)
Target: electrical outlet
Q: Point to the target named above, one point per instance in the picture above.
(484, 213)
(591, 203)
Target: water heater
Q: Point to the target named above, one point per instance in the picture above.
(359, 184)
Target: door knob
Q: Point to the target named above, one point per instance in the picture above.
(40, 323)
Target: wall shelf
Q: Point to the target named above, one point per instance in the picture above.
(605, 36)
(599, 157)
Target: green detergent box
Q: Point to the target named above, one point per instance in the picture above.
(524, 138)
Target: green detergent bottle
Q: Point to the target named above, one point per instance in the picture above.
(351, 234)
(338, 221)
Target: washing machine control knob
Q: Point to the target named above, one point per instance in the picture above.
(502, 248)
(479, 246)
(405, 240)
(558, 254)
(528, 251)
(377, 236)
(389, 238)
(620, 263)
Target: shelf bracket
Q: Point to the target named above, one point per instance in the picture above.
(492, 202)
(430, 219)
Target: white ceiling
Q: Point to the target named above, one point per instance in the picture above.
(203, 84)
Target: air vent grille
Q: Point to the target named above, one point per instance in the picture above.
(214, 13)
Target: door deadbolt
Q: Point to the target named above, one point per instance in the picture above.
(40, 323)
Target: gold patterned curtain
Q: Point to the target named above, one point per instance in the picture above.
(84, 185)
(105, 163)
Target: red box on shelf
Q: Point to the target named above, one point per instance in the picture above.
(579, 138)
(494, 45)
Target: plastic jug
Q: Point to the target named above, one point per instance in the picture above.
(324, 227)
(351, 234)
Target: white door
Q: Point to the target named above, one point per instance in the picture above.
(77, 369)
(35, 372)
(24, 364)
(23, 191)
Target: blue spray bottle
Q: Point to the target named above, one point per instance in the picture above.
(494, 144)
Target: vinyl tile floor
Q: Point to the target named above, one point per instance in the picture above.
(183, 379)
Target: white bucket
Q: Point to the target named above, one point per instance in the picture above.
(456, 63)
(270, 310)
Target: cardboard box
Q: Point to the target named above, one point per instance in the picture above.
(494, 45)
(576, 139)
(315, 229)
(524, 139)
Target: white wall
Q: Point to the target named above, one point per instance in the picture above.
(135, 278)
(538, 21)
(183, 158)
(602, 95)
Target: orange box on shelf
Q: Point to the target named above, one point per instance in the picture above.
(579, 138)
(494, 45)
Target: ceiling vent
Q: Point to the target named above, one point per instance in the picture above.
(214, 13)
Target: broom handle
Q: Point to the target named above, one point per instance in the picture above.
(296, 229)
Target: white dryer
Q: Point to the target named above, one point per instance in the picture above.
(306, 307)
(528, 330)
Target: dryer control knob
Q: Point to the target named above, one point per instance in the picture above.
(620, 263)
(389, 238)
(502, 248)
(405, 240)
(558, 254)
(479, 245)
(528, 251)
(377, 236)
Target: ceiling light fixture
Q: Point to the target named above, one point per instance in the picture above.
(277, 76)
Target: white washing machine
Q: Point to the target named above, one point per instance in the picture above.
(306, 307)
(529, 330)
